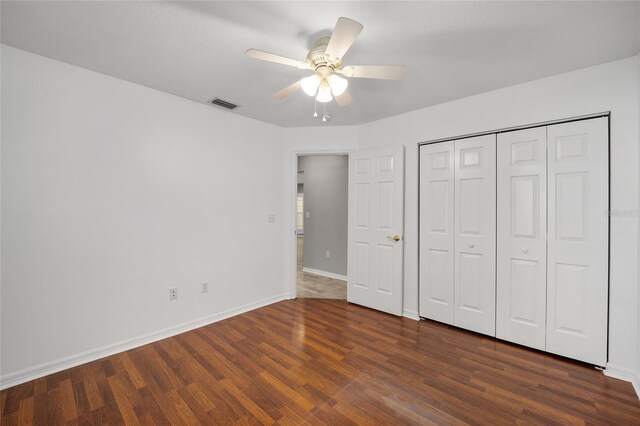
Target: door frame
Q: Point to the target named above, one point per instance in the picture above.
(290, 226)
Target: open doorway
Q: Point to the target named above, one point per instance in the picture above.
(321, 226)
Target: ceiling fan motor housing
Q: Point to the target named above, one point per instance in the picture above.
(317, 57)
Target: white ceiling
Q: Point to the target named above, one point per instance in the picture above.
(451, 49)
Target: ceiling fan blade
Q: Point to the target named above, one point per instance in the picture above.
(383, 72)
(344, 99)
(272, 57)
(287, 91)
(344, 34)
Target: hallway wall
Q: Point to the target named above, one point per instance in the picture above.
(325, 212)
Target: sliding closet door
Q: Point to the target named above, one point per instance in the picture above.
(436, 231)
(475, 229)
(577, 277)
(522, 237)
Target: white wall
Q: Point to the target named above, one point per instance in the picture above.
(608, 87)
(112, 193)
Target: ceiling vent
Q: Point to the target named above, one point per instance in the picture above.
(223, 104)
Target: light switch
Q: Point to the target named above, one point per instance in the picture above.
(307, 215)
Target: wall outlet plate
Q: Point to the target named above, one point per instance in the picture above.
(173, 293)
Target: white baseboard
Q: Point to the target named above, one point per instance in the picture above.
(626, 374)
(44, 369)
(324, 274)
(407, 313)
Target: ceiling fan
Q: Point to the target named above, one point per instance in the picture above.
(325, 60)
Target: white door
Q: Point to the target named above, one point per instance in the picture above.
(522, 237)
(376, 224)
(577, 274)
(436, 231)
(475, 234)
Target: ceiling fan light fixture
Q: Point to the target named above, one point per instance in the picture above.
(338, 84)
(324, 93)
(310, 84)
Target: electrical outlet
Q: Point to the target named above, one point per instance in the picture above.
(272, 218)
(173, 293)
(204, 288)
(328, 254)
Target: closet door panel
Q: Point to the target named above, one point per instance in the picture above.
(577, 273)
(436, 231)
(475, 220)
(522, 237)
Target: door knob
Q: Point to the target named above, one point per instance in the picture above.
(525, 250)
(472, 245)
(395, 238)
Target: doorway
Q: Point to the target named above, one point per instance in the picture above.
(321, 226)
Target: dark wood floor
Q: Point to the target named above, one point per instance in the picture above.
(324, 362)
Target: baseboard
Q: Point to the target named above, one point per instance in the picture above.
(44, 369)
(407, 313)
(626, 374)
(325, 274)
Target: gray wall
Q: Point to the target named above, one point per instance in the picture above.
(325, 199)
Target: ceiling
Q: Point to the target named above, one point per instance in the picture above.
(451, 49)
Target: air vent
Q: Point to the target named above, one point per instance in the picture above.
(223, 104)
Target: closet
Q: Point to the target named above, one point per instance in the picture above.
(514, 236)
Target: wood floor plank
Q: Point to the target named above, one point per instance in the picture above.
(68, 400)
(321, 361)
(93, 394)
(225, 413)
(3, 400)
(149, 412)
(248, 403)
(123, 399)
(200, 397)
(132, 371)
(290, 394)
(25, 412)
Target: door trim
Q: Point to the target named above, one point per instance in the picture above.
(290, 227)
(522, 127)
